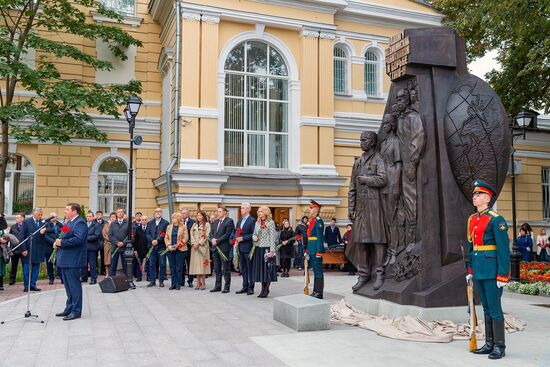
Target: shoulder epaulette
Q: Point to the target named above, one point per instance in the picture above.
(318, 218)
(493, 213)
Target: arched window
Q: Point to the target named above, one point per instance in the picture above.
(256, 107)
(112, 185)
(340, 70)
(19, 185)
(372, 71)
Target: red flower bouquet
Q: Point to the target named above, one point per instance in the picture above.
(62, 232)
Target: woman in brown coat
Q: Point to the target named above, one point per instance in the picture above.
(200, 252)
(176, 243)
(107, 243)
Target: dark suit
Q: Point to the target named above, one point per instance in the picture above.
(153, 232)
(118, 232)
(36, 254)
(222, 232)
(51, 234)
(140, 246)
(101, 223)
(246, 232)
(16, 256)
(332, 236)
(189, 223)
(92, 246)
(71, 257)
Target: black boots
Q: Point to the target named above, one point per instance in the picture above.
(498, 337)
(265, 290)
(1, 283)
(318, 286)
(488, 347)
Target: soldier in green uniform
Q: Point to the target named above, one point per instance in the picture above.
(489, 265)
(316, 248)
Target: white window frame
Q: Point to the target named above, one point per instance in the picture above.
(114, 5)
(293, 140)
(379, 65)
(348, 51)
(94, 175)
(9, 194)
(265, 133)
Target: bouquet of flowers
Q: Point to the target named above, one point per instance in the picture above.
(289, 242)
(220, 252)
(150, 252)
(178, 247)
(62, 232)
(238, 233)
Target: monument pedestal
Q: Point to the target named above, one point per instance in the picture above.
(381, 307)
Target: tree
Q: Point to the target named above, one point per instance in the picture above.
(57, 109)
(519, 31)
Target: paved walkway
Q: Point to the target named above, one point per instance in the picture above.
(158, 327)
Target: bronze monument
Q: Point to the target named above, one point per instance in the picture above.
(442, 128)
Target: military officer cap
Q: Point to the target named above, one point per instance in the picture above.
(483, 187)
(314, 203)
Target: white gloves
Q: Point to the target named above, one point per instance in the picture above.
(469, 277)
(501, 284)
(529, 249)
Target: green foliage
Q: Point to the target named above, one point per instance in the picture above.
(55, 110)
(519, 31)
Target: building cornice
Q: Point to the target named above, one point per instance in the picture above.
(357, 122)
(253, 18)
(119, 144)
(389, 16)
(254, 200)
(317, 121)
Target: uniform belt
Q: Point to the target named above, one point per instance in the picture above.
(485, 248)
(312, 238)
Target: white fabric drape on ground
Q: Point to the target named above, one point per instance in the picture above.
(412, 328)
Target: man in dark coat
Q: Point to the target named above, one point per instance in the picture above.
(301, 230)
(188, 223)
(92, 247)
(369, 237)
(140, 247)
(71, 257)
(156, 231)
(243, 240)
(34, 250)
(118, 233)
(222, 230)
(16, 255)
(53, 230)
(333, 238)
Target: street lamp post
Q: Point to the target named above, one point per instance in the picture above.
(130, 112)
(522, 120)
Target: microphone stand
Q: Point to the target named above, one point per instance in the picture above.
(28, 314)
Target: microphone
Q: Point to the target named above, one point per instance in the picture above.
(50, 218)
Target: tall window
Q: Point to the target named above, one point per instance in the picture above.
(122, 7)
(371, 73)
(19, 185)
(256, 107)
(340, 70)
(112, 185)
(546, 193)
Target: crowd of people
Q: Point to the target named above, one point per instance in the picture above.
(533, 250)
(191, 249)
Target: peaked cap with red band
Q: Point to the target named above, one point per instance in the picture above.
(483, 187)
(314, 203)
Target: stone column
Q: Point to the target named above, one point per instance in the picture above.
(309, 75)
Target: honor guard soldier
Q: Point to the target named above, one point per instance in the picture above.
(316, 247)
(489, 265)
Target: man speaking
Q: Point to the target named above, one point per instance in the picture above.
(71, 257)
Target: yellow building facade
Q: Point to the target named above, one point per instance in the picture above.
(247, 101)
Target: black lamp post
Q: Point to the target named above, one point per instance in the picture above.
(130, 112)
(522, 121)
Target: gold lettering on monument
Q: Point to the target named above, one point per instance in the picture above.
(397, 56)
